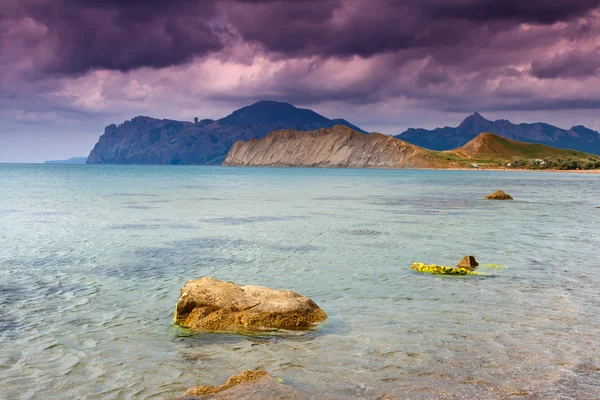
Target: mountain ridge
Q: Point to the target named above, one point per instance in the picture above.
(342, 147)
(577, 137)
(336, 147)
(146, 140)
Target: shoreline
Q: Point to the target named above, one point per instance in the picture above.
(570, 171)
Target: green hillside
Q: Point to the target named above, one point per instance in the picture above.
(491, 150)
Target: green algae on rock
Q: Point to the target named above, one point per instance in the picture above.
(207, 304)
(441, 269)
(497, 266)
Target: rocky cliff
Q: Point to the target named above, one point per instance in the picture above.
(339, 146)
(577, 138)
(145, 140)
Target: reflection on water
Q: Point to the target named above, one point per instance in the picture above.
(92, 259)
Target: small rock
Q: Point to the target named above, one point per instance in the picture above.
(244, 377)
(467, 262)
(207, 304)
(499, 195)
(249, 385)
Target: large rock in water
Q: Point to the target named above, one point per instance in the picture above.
(207, 304)
(498, 195)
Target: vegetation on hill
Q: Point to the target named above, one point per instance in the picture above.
(493, 151)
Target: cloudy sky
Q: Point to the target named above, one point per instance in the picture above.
(70, 67)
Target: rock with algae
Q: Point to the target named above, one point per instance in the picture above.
(207, 304)
(467, 262)
(441, 269)
(498, 195)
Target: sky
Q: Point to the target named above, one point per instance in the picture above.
(68, 68)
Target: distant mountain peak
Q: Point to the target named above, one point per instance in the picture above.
(476, 121)
(272, 113)
(475, 117)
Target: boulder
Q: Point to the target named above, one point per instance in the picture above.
(467, 262)
(499, 195)
(207, 304)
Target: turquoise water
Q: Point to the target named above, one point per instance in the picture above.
(92, 259)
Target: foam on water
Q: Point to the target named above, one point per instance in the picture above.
(92, 259)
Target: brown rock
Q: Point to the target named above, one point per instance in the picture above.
(207, 304)
(467, 262)
(249, 385)
(244, 377)
(499, 195)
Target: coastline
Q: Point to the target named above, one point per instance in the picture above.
(571, 171)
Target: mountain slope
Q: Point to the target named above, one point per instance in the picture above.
(339, 146)
(577, 138)
(145, 140)
(490, 146)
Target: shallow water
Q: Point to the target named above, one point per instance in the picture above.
(92, 259)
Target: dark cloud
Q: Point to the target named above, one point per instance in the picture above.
(532, 11)
(356, 27)
(572, 64)
(79, 35)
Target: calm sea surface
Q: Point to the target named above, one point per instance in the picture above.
(92, 259)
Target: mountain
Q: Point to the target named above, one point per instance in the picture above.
(335, 147)
(577, 138)
(342, 147)
(145, 140)
(72, 160)
(488, 146)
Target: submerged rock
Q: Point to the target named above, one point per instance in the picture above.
(467, 262)
(498, 195)
(207, 304)
(247, 385)
(244, 377)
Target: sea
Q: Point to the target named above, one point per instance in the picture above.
(93, 257)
